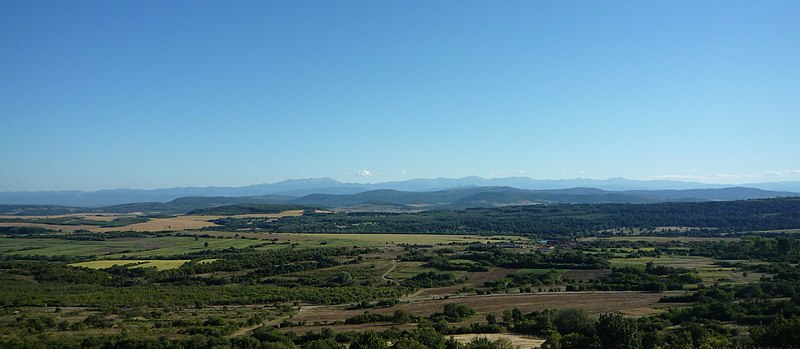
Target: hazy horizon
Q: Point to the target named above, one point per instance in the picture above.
(102, 95)
(357, 181)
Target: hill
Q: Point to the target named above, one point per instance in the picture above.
(553, 221)
(397, 201)
(508, 196)
(304, 187)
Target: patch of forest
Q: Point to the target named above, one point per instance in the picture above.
(547, 220)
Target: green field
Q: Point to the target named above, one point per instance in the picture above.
(705, 267)
(139, 263)
(181, 245)
(144, 247)
(405, 270)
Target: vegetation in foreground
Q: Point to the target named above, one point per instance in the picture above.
(254, 289)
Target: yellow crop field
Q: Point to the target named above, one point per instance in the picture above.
(139, 263)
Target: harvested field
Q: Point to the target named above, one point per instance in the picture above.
(517, 340)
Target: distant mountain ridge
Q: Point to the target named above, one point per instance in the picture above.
(303, 187)
(397, 200)
(460, 198)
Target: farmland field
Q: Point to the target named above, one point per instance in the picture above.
(706, 267)
(185, 275)
(94, 221)
(160, 264)
(629, 303)
(117, 248)
(161, 224)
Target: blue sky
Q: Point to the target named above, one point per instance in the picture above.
(145, 94)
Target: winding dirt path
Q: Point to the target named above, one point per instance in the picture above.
(245, 330)
(385, 275)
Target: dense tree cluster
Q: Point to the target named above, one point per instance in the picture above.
(561, 259)
(548, 221)
(430, 279)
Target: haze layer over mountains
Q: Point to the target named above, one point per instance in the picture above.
(438, 192)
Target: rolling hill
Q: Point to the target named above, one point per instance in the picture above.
(396, 200)
(303, 187)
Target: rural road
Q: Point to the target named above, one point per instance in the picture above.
(245, 330)
(385, 275)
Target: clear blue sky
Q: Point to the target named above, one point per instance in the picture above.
(145, 94)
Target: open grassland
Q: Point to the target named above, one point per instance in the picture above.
(159, 264)
(182, 245)
(706, 267)
(59, 247)
(405, 270)
(144, 247)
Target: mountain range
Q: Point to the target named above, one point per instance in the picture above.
(302, 187)
(392, 200)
